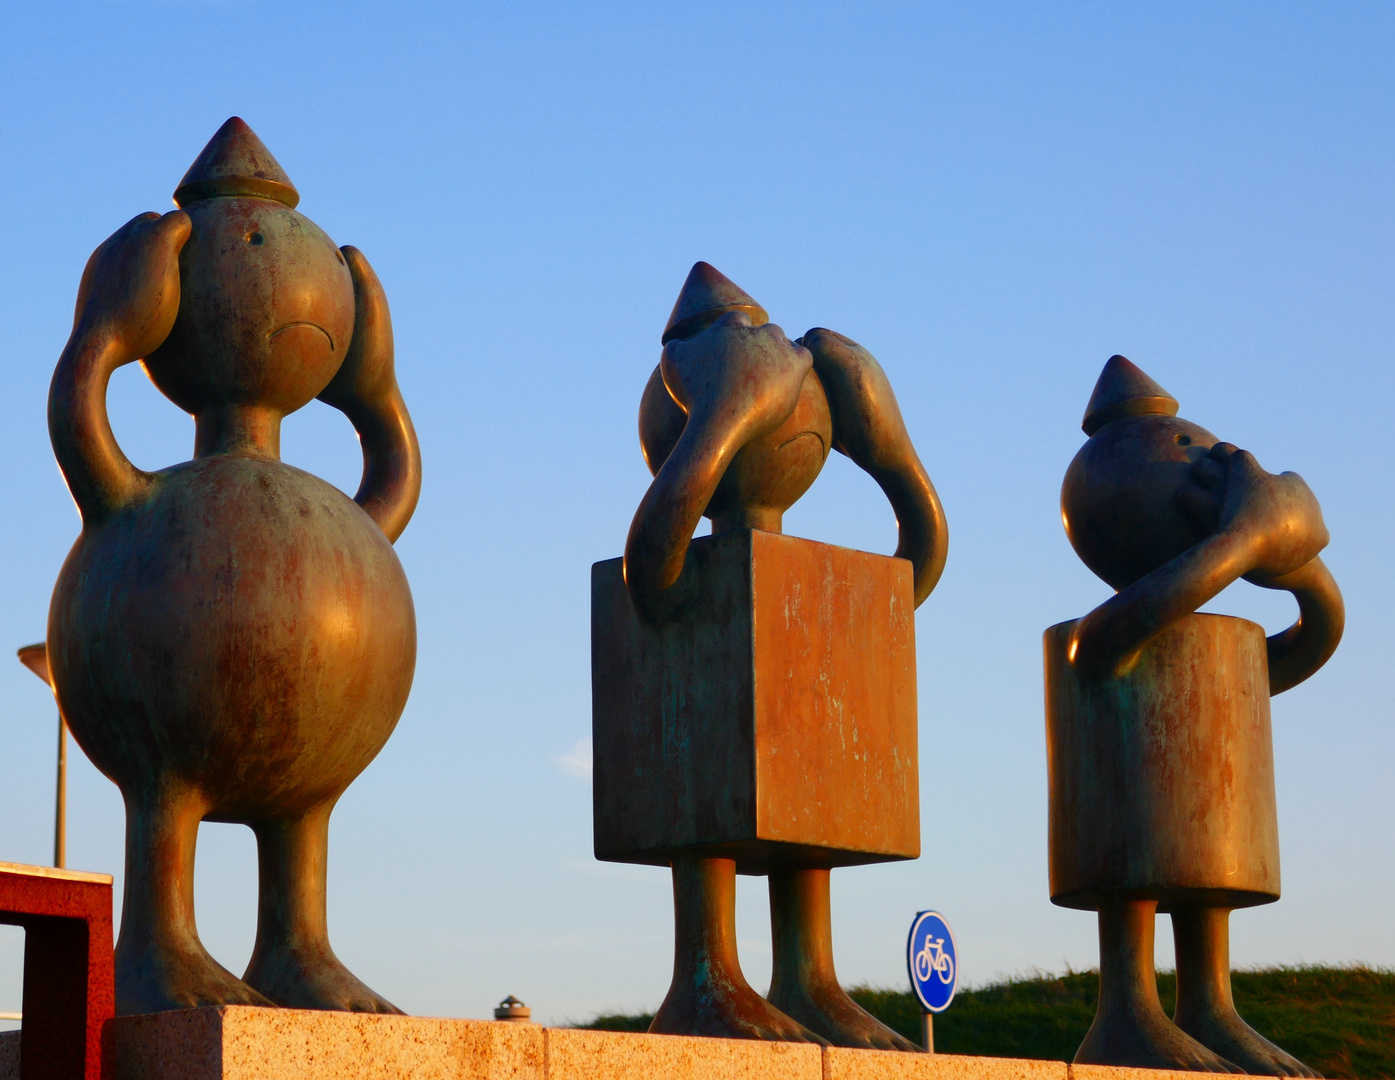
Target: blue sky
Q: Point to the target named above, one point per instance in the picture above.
(993, 198)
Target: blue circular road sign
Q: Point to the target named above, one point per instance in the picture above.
(931, 961)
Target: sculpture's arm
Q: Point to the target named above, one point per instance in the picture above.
(1270, 527)
(868, 428)
(1109, 639)
(365, 390)
(736, 382)
(126, 306)
(1298, 652)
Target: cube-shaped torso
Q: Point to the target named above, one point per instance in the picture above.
(771, 720)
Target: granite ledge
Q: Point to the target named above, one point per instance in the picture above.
(243, 1043)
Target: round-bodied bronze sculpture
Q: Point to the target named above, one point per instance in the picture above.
(231, 638)
(754, 694)
(1159, 751)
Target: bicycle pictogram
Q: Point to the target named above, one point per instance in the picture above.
(932, 959)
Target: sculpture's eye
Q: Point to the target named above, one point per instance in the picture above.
(255, 238)
(1183, 440)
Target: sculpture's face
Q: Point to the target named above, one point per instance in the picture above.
(1119, 501)
(266, 309)
(774, 471)
(771, 472)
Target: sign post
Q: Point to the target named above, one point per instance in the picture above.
(932, 963)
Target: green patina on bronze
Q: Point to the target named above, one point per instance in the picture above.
(232, 638)
(1159, 753)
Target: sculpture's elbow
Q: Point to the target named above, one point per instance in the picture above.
(99, 476)
(391, 483)
(1298, 653)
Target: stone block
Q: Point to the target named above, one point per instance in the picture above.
(612, 1055)
(884, 1065)
(1119, 1072)
(773, 718)
(243, 1043)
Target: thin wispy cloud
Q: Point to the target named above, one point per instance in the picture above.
(576, 761)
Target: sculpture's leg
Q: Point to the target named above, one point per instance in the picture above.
(803, 984)
(160, 962)
(1130, 1026)
(709, 995)
(292, 962)
(1205, 1008)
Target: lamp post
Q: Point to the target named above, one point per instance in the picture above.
(35, 658)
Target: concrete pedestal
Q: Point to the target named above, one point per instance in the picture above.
(242, 1043)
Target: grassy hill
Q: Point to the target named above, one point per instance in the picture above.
(1340, 1020)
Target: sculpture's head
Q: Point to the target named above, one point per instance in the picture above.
(768, 475)
(1120, 499)
(266, 305)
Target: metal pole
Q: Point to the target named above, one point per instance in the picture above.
(60, 808)
(927, 1031)
(35, 658)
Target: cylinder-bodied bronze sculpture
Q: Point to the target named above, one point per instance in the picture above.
(231, 638)
(1159, 752)
(754, 699)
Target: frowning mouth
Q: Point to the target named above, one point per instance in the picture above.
(805, 435)
(301, 322)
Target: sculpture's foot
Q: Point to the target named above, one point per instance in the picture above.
(829, 1012)
(1228, 1035)
(312, 979)
(1205, 1005)
(292, 962)
(163, 977)
(1145, 1041)
(803, 983)
(726, 1012)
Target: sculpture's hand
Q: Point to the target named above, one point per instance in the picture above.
(1263, 527)
(365, 390)
(129, 295)
(1275, 515)
(739, 379)
(737, 382)
(1279, 526)
(126, 306)
(868, 428)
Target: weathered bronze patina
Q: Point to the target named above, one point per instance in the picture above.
(1159, 753)
(754, 698)
(232, 639)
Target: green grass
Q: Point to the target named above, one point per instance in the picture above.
(1340, 1020)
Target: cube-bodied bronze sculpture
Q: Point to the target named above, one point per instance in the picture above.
(231, 638)
(754, 694)
(1159, 753)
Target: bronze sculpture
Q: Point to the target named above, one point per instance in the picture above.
(1158, 742)
(753, 693)
(232, 639)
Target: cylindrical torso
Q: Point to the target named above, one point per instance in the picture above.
(1161, 780)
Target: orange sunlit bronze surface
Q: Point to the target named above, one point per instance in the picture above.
(1159, 750)
(231, 638)
(754, 694)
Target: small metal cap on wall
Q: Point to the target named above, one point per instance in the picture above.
(513, 1009)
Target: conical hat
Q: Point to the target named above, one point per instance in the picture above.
(235, 162)
(1124, 390)
(707, 295)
